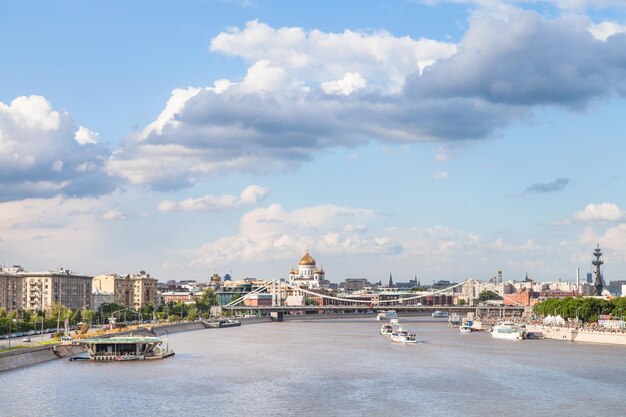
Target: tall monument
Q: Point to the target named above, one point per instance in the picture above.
(599, 282)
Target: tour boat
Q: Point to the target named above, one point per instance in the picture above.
(125, 348)
(466, 328)
(386, 315)
(402, 336)
(386, 329)
(440, 314)
(508, 330)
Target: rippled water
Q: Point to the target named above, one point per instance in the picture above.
(330, 368)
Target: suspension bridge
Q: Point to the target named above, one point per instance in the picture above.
(273, 298)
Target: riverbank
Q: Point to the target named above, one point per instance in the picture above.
(20, 358)
(575, 335)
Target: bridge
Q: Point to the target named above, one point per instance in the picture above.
(314, 302)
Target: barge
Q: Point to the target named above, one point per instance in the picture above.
(129, 348)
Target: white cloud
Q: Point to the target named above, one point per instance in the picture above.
(114, 215)
(41, 154)
(302, 95)
(440, 175)
(274, 233)
(347, 85)
(84, 136)
(605, 30)
(317, 56)
(605, 212)
(250, 195)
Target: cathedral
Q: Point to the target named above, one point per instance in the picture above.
(307, 274)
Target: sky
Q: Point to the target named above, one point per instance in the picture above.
(443, 139)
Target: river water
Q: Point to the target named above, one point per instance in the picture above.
(332, 368)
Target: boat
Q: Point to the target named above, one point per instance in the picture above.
(387, 315)
(508, 330)
(386, 329)
(440, 314)
(402, 336)
(535, 335)
(454, 320)
(125, 348)
(465, 328)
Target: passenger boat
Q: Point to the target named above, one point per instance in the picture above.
(402, 336)
(387, 315)
(508, 330)
(466, 328)
(440, 314)
(386, 329)
(129, 348)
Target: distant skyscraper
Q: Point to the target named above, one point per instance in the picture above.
(499, 276)
(589, 277)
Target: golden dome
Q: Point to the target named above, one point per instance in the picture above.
(307, 260)
(293, 271)
(216, 278)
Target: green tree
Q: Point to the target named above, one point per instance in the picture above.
(487, 296)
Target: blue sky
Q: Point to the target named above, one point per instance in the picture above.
(445, 139)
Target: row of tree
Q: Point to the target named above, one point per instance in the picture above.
(584, 308)
(24, 320)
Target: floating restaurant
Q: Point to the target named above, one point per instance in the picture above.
(125, 348)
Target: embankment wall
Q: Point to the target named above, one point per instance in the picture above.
(30, 356)
(573, 335)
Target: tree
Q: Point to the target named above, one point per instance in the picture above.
(487, 296)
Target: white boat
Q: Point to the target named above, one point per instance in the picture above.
(440, 314)
(508, 330)
(386, 329)
(387, 315)
(402, 336)
(465, 328)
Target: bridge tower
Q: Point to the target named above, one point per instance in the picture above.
(599, 282)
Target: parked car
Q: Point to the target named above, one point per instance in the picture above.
(26, 339)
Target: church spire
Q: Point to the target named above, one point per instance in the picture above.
(390, 281)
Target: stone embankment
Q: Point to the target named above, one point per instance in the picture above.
(575, 335)
(19, 358)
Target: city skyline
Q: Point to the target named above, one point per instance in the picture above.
(447, 139)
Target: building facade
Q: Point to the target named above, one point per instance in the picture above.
(11, 288)
(42, 290)
(134, 291)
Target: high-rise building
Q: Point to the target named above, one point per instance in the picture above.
(43, 289)
(589, 277)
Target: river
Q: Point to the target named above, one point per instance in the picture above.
(339, 367)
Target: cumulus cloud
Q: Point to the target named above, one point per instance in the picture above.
(250, 195)
(528, 61)
(557, 185)
(275, 233)
(43, 153)
(605, 212)
(308, 91)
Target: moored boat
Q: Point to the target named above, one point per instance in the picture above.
(440, 314)
(508, 330)
(127, 348)
(387, 315)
